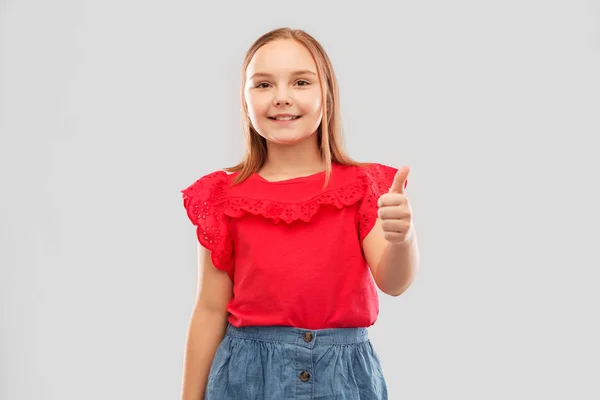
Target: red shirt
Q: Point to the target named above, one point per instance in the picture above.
(292, 249)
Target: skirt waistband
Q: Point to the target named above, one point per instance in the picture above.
(291, 335)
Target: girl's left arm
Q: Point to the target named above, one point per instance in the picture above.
(390, 247)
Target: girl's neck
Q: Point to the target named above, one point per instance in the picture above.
(291, 161)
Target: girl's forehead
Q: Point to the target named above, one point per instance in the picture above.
(281, 56)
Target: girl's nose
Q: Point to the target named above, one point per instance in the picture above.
(286, 102)
(282, 98)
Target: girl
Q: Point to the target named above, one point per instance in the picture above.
(293, 243)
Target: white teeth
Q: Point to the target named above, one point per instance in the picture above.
(285, 118)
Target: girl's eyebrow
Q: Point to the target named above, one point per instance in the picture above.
(267, 75)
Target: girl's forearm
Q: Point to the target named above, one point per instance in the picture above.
(205, 333)
(398, 266)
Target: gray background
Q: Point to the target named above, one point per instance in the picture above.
(109, 108)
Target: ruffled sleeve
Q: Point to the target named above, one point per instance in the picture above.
(377, 180)
(204, 202)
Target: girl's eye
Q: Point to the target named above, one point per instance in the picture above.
(264, 85)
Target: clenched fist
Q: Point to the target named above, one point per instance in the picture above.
(395, 212)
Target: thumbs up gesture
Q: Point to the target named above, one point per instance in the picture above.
(394, 210)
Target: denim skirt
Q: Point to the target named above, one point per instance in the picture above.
(286, 363)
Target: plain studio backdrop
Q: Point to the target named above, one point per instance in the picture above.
(109, 108)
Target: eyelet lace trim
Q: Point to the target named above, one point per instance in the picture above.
(209, 207)
(204, 202)
(288, 212)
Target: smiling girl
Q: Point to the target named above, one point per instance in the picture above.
(293, 243)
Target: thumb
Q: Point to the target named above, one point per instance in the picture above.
(400, 180)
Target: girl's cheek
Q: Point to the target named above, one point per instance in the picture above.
(311, 102)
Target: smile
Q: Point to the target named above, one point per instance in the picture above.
(285, 118)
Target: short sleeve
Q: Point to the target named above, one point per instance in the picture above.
(204, 202)
(377, 180)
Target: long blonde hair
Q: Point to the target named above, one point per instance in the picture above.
(329, 133)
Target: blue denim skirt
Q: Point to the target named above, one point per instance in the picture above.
(286, 363)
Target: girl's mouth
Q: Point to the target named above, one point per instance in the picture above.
(284, 118)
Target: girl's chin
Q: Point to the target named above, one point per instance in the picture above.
(287, 138)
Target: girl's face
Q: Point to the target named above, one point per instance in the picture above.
(282, 92)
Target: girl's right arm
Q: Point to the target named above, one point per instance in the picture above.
(207, 325)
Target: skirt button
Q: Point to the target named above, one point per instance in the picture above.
(308, 337)
(304, 376)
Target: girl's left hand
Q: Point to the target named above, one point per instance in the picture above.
(395, 212)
